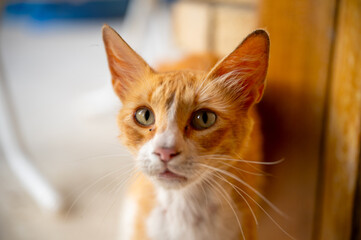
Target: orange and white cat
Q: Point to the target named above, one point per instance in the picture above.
(196, 138)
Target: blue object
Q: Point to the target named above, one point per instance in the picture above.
(67, 10)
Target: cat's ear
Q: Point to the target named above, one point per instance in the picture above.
(243, 71)
(125, 65)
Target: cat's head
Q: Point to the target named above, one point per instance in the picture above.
(174, 121)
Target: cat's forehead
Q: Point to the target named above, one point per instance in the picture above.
(171, 87)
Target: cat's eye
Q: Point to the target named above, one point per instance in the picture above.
(203, 119)
(144, 116)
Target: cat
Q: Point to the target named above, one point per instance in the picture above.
(196, 139)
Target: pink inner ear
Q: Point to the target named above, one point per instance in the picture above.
(125, 65)
(251, 56)
(247, 64)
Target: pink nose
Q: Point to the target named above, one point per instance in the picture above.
(166, 154)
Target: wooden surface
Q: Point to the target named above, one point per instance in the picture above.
(231, 25)
(217, 27)
(293, 108)
(342, 154)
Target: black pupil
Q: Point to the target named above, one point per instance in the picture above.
(147, 115)
(205, 117)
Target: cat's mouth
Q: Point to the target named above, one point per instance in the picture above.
(169, 175)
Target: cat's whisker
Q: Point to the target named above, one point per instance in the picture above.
(202, 187)
(226, 198)
(239, 170)
(268, 215)
(194, 199)
(260, 195)
(204, 192)
(127, 175)
(271, 162)
(118, 180)
(253, 166)
(118, 185)
(191, 193)
(211, 187)
(276, 209)
(125, 166)
(133, 176)
(91, 186)
(242, 170)
(114, 182)
(240, 194)
(227, 158)
(101, 157)
(119, 168)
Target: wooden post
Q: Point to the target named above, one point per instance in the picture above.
(342, 148)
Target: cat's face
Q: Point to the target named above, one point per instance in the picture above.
(173, 122)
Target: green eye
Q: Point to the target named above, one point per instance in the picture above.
(203, 119)
(144, 116)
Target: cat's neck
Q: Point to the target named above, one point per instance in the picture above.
(198, 208)
(191, 198)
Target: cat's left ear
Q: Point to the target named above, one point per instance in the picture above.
(125, 65)
(244, 71)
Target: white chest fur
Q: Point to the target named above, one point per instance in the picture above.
(192, 214)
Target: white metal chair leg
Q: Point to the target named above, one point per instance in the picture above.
(20, 164)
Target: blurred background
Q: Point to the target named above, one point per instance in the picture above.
(58, 110)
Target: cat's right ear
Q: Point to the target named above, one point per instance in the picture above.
(125, 65)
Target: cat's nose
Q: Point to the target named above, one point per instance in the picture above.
(166, 154)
